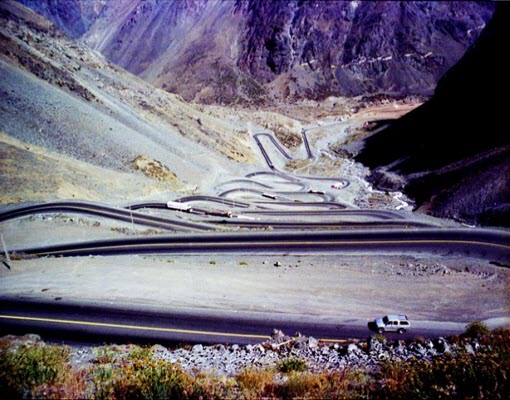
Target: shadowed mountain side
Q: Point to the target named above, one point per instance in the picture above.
(452, 153)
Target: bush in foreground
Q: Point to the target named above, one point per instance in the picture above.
(464, 376)
(33, 369)
(477, 329)
(292, 364)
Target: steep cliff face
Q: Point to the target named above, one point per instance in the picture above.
(73, 17)
(185, 46)
(453, 152)
(134, 34)
(231, 51)
(356, 47)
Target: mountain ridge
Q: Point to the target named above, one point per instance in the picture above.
(226, 52)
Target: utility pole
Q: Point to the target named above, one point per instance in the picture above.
(8, 262)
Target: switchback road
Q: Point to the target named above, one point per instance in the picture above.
(364, 236)
(104, 211)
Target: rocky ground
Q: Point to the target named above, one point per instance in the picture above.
(62, 98)
(369, 354)
(472, 365)
(426, 154)
(315, 356)
(230, 52)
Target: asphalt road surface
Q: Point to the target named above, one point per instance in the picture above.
(486, 243)
(107, 324)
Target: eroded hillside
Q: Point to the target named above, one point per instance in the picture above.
(254, 52)
(61, 96)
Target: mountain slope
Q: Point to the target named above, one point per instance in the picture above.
(356, 47)
(73, 17)
(453, 154)
(63, 97)
(236, 51)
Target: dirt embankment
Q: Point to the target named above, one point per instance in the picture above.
(31, 173)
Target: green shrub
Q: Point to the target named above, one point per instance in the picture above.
(106, 354)
(482, 375)
(477, 329)
(26, 367)
(243, 263)
(140, 353)
(35, 370)
(292, 364)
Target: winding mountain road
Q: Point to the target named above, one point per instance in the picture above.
(104, 211)
(372, 232)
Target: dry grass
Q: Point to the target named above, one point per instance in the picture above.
(297, 164)
(255, 384)
(30, 368)
(15, 256)
(344, 384)
(32, 173)
(325, 166)
(155, 170)
(287, 136)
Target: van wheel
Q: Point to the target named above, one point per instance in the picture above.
(381, 330)
(401, 331)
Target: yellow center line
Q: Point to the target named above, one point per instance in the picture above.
(139, 327)
(286, 243)
(135, 327)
